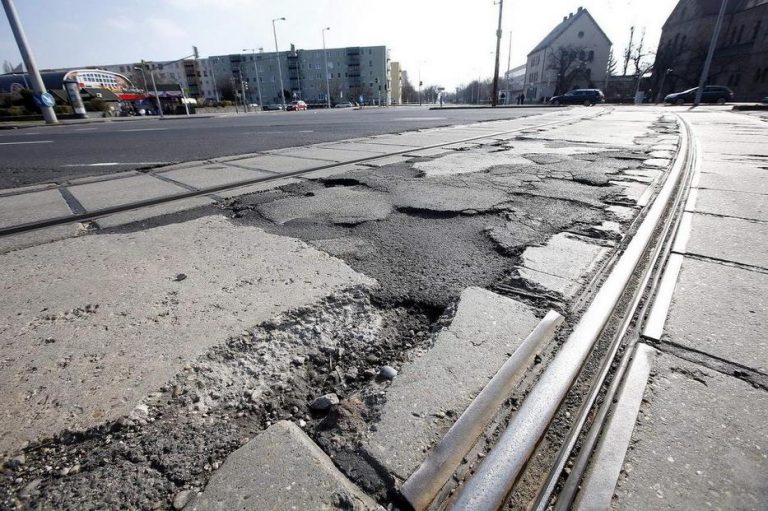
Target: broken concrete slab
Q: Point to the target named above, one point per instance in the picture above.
(330, 153)
(433, 390)
(338, 205)
(565, 256)
(729, 239)
(137, 215)
(699, 443)
(32, 207)
(720, 310)
(282, 468)
(468, 162)
(99, 195)
(95, 323)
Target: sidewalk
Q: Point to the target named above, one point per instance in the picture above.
(701, 440)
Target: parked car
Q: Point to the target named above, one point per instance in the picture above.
(348, 104)
(586, 97)
(712, 94)
(273, 107)
(295, 106)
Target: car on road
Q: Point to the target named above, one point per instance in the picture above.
(295, 106)
(712, 94)
(273, 107)
(348, 104)
(586, 97)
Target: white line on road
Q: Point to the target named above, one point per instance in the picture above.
(418, 119)
(31, 142)
(146, 129)
(85, 129)
(116, 163)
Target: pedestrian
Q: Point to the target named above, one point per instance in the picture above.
(522, 98)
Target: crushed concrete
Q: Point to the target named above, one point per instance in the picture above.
(94, 324)
(337, 205)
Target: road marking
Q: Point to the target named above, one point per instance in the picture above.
(145, 129)
(419, 119)
(116, 163)
(32, 142)
(85, 129)
(276, 132)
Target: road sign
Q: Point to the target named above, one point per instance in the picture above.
(45, 99)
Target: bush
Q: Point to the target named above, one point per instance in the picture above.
(63, 109)
(13, 111)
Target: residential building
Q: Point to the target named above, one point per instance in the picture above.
(395, 78)
(352, 72)
(741, 56)
(573, 55)
(514, 83)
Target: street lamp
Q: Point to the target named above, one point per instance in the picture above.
(154, 86)
(327, 82)
(258, 80)
(279, 67)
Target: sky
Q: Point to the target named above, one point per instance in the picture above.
(448, 42)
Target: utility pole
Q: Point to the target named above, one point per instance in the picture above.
(256, 68)
(29, 61)
(509, 69)
(327, 82)
(495, 96)
(279, 67)
(710, 54)
(154, 87)
(213, 77)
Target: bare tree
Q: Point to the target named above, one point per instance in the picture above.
(568, 62)
(8, 67)
(409, 93)
(610, 69)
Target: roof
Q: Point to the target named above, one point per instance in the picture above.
(105, 94)
(564, 26)
(712, 8)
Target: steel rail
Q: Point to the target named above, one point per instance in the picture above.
(92, 215)
(496, 475)
(647, 290)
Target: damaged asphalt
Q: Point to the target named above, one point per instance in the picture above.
(424, 230)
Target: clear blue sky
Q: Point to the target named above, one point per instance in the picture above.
(450, 40)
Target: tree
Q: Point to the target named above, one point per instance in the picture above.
(610, 69)
(409, 93)
(568, 62)
(8, 67)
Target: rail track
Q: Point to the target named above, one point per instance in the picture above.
(79, 214)
(559, 422)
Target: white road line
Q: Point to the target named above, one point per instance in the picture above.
(145, 129)
(85, 129)
(31, 142)
(116, 163)
(418, 119)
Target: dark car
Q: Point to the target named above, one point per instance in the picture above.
(272, 107)
(712, 94)
(586, 97)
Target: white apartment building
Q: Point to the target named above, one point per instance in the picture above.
(574, 55)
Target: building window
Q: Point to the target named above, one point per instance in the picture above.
(581, 35)
(591, 55)
(757, 30)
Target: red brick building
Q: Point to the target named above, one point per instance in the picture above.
(741, 58)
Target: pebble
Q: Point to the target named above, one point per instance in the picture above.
(387, 372)
(323, 403)
(181, 499)
(369, 373)
(179, 277)
(16, 461)
(298, 361)
(140, 413)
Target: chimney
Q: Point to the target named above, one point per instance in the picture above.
(565, 18)
(570, 16)
(580, 9)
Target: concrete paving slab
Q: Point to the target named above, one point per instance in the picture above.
(729, 239)
(737, 177)
(721, 310)
(339, 205)
(609, 129)
(328, 153)
(258, 187)
(442, 382)
(212, 175)
(368, 146)
(32, 207)
(103, 194)
(699, 443)
(95, 323)
(565, 287)
(279, 163)
(633, 190)
(282, 468)
(103, 177)
(37, 237)
(752, 206)
(168, 208)
(27, 189)
(387, 160)
(427, 153)
(565, 256)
